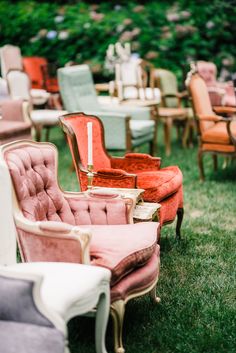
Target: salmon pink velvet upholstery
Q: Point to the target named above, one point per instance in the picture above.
(159, 183)
(114, 244)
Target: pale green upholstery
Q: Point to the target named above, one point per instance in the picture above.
(168, 85)
(79, 95)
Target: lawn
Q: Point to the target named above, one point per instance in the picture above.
(197, 282)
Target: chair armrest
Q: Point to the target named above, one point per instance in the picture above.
(132, 162)
(214, 118)
(56, 237)
(224, 110)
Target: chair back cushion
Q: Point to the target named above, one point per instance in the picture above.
(12, 110)
(166, 81)
(207, 70)
(19, 85)
(201, 100)
(78, 123)
(77, 89)
(33, 67)
(10, 59)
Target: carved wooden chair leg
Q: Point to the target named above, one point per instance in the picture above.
(117, 312)
(153, 295)
(103, 308)
(200, 165)
(186, 134)
(47, 133)
(215, 162)
(38, 132)
(180, 215)
(167, 133)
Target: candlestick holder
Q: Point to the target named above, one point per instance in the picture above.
(90, 176)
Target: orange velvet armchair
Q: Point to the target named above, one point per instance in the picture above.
(217, 135)
(134, 170)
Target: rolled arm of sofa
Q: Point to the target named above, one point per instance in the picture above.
(133, 162)
(52, 241)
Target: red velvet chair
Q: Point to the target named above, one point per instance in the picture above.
(162, 185)
(57, 226)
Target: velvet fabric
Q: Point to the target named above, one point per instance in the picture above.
(138, 280)
(218, 133)
(18, 337)
(134, 245)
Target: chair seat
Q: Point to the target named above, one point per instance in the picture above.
(218, 133)
(46, 116)
(27, 338)
(159, 184)
(9, 128)
(173, 112)
(81, 294)
(39, 96)
(122, 257)
(138, 280)
(140, 128)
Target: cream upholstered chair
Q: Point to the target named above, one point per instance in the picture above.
(11, 59)
(126, 127)
(67, 290)
(74, 227)
(26, 323)
(19, 88)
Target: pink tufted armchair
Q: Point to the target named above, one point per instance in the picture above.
(134, 170)
(221, 93)
(53, 225)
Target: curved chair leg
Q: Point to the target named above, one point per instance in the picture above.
(180, 215)
(200, 165)
(167, 133)
(118, 312)
(47, 133)
(102, 315)
(38, 132)
(153, 295)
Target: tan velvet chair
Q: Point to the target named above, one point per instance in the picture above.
(94, 228)
(217, 135)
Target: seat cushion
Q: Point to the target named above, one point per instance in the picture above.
(140, 128)
(138, 280)
(26, 338)
(122, 248)
(160, 184)
(218, 133)
(46, 116)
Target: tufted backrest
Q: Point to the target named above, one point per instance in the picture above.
(77, 89)
(32, 168)
(201, 100)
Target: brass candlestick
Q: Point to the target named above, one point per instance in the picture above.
(90, 176)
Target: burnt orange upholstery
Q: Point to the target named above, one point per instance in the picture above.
(162, 185)
(216, 134)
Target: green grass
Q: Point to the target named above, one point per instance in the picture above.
(197, 285)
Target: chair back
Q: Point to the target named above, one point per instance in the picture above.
(33, 66)
(10, 59)
(208, 71)
(7, 226)
(75, 127)
(77, 89)
(12, 110)
(166, 81)
(200, 100)
(19, 85)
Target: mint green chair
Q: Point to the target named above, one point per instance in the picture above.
(172, 109)
(125, 127)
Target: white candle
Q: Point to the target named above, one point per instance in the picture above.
(90, 142)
